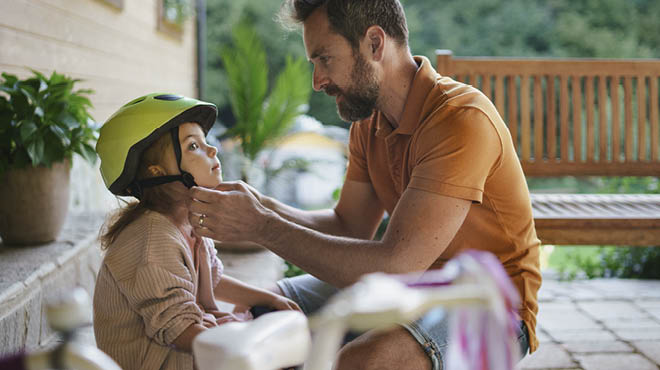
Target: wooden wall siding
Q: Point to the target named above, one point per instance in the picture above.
(119, 53)
(581, 117)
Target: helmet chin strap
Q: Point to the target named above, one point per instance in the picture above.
(136, 188)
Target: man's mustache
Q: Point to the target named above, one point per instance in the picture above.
(332, 90)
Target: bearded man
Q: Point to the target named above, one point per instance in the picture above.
(431, 152)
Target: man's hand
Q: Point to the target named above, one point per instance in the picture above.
(233, 215)
(242, 187)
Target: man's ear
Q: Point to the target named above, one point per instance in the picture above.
(375, 39)
(156, 170)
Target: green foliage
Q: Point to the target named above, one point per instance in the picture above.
(292, 270)
(631, 262)
(261, 119)
(574, 262)
(556, 28)
(596, 262)
(630, 185)
(43, 120)
(222, 17)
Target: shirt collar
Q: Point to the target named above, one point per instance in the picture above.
(424, 80)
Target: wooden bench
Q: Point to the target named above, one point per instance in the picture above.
(614, 102)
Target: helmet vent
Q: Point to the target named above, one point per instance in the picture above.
(168, 97)
(135, 101)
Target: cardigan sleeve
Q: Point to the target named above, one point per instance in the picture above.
(165, 301)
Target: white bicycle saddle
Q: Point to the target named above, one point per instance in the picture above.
(273, 341)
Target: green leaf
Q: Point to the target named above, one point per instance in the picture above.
(286, 101)
(27, 128)
(54, 148)
(20, 103)
(44, 120)
(247, 76)
(68, 120)
(36, 151)
(61, 134)
(10, 80)
(6, 113)
(30, 88)
(38, 111)
(39, 75)
(87, 152)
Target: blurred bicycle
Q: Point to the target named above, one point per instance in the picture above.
(473, 287)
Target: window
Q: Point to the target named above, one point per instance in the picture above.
(173, 14)
(119, 4)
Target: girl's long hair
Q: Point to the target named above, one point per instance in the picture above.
(154, 198)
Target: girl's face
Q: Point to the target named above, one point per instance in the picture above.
(197, 157)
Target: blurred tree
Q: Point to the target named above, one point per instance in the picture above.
(222, 16)
(551, 28)
(261, 116)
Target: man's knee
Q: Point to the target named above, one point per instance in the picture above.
(391, 350)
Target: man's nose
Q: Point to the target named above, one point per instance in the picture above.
(319, 80)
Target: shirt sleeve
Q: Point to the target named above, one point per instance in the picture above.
(455, 157)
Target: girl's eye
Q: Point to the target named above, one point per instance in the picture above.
(193, 146)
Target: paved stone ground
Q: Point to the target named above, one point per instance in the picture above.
(598, 324)
(585, 324)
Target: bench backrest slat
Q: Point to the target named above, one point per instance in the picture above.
(572, 116)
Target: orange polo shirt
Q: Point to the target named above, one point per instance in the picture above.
(452, 141)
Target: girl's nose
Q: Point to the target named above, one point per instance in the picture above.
(212, 151)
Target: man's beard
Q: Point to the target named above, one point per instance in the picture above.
(359, 100)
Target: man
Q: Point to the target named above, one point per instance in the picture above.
(431, 152)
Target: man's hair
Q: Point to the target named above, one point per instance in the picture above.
(351, 18)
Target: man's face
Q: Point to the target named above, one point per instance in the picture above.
(339, 70)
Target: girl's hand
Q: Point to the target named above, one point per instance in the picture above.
(281, 303)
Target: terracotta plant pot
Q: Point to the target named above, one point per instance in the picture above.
(33, 204)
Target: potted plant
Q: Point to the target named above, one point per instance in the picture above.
(262, 116)
(43, 121)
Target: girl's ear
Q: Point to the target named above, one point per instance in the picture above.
(156, 170)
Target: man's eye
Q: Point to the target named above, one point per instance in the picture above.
(324, 59)
(193, 146)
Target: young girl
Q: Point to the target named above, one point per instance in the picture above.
(158, 283)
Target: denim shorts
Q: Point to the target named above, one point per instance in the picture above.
(431, 330)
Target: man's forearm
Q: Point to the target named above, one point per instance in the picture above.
(326, 221)
(336, 259)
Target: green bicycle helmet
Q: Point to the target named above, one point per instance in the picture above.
(135, 126)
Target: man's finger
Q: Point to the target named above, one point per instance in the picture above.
(202, 231)
(203, 194)
(199, 219)
(228, 186)
(198, 207)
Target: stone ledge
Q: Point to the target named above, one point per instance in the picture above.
(31, 276)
